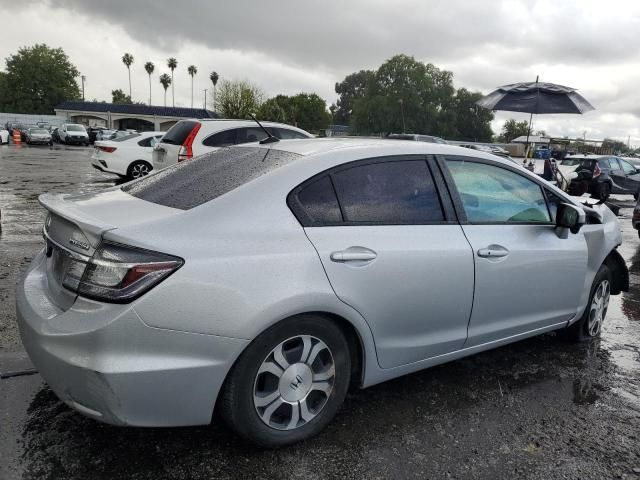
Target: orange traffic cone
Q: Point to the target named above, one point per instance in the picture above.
(17, 139)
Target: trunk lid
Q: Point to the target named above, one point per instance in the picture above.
(74, 228)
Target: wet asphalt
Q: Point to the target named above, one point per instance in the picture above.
(541, 408)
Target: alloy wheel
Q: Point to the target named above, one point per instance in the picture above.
(139, 170)
(294, 382)
(598, 308)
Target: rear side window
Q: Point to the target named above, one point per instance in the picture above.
(177, 134)
(318, 203)
(397, 192)
(188, 184)
(249, 134)
(286, 134)
(225, 138)
(146, 142)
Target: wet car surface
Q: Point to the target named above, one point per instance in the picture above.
(540, 408)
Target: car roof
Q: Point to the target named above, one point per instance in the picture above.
(231, 122)
(318, 146)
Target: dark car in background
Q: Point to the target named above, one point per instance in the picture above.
(602, 175)
(635, 220)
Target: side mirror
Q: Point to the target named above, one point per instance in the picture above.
(571, 217)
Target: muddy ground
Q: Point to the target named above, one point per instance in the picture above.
(540, 408)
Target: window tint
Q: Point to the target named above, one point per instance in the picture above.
(286, 134)
(390, 192)
(627, 167)
(613, 163)
(318, 203)
(188, 184)
(250, 134)
(225, 138)
(177, 134)
(145, 142)
(494, 194)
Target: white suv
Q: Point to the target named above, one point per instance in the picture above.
(73, 133)
(190, 138)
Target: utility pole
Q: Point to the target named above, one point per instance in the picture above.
(205, 98)
(83, 78)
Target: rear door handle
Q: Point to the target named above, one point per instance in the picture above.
(493, 251)
(354, 254)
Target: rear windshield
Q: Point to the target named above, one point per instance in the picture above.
(177, 134)
(129, 136)
(189, 184)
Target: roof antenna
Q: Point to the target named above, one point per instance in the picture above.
(270, 138)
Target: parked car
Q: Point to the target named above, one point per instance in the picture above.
(190, 138)
(495, 150)
(128, 156)
(635, 221)
(24, 130)
(73, 133)
(416, 137)
(38, 136)
(4, 136)
(602, 175)
(265, 280)
(93, 133)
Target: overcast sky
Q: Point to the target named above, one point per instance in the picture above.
(295, 45)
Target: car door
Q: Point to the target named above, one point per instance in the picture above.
(631, 177)
(527, 278)
(616, 174)
(392, 251)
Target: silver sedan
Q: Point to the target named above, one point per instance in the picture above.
(266, 280)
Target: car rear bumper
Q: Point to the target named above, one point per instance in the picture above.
(105, 362)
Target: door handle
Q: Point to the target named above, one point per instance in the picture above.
(493, 251)
(354, 254)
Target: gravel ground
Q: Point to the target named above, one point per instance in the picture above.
(540, 408)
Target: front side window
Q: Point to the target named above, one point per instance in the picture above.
(396, 192)
(627, 167)
(286, 134)
(492, 194)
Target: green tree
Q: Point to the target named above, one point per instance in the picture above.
(213, 76)
(352, 88)
(614, 146)
(472, 122)
(165, 81)
(406, 95)
(127, 59)
(37, 79)
(118, 96)
(512, 129)
(149, 67)
(192, 70)
(304, 110)
(172, 63)
(238, 99)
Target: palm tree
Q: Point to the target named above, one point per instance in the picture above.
(127, 59)
(165, 80)
(214, 79)
(149, 67)
(172, 63)
(192, 71)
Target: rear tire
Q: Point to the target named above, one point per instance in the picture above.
(590, 324)
(289, 382)
(139, 169)
(604, 191)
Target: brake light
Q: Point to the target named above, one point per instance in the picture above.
(119, 273)
(596, 171)
(107, 149)
(186, 151)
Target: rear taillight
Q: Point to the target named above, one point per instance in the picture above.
(118, 273)
(107, 149)
(596, 171)
(186, 151)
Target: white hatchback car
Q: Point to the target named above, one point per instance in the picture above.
(190, 138)
(128, 156)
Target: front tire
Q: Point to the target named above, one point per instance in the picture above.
(289, 382)
(590, 324)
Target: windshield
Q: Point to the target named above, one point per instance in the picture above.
(570, 162)
(38, 130)
(189, 184)
(75, 128)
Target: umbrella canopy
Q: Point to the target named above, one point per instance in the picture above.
(536, 97)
